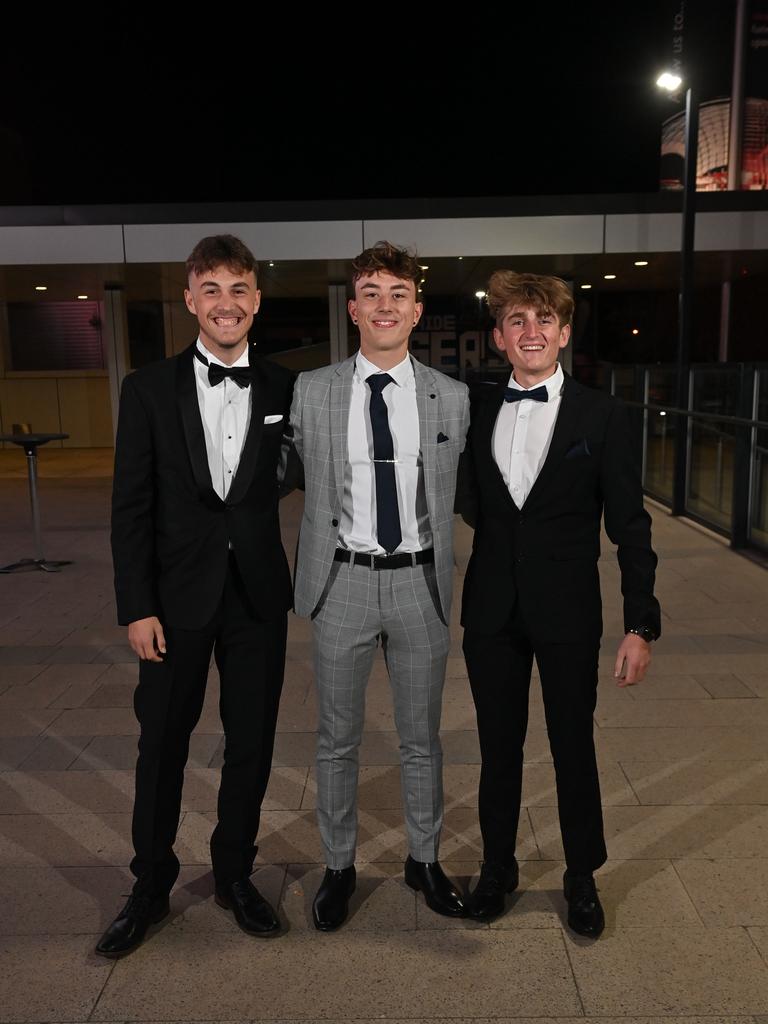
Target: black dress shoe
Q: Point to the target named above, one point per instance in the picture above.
(130, 926)
(585, 914)
(331, 904)
(252, 912)
(440, 893)
(487, 900)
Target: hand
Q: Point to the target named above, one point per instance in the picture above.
(637, 654)
(147, 639)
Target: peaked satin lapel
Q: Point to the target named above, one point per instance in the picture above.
(429, 420)
(490, 413)
(562, 437)
(339, 401)
(250, 453)
(189, 410)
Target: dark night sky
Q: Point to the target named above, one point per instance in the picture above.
(556, 100)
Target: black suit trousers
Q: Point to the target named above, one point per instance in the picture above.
(499, 668)
(250, 657)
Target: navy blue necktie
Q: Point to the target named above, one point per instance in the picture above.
(516, 395)
(388, 532)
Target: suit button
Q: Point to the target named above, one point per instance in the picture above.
(334, 522)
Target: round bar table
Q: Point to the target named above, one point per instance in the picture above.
(30, 443)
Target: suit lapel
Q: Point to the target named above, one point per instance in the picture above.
(189, 410)
(250, 453)
(338, 408)
(428, 405)
(486, 428)
(562, 437)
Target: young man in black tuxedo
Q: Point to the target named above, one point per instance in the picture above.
(546, 459)
(200, 569)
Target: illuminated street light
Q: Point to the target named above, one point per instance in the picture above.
(669, 80)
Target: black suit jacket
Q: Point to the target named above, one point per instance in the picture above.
(544, 556)
(171, 532)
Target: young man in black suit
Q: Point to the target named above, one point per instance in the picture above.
(546, 459)
(200, 569)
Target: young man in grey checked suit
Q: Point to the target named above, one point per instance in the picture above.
(380, 437)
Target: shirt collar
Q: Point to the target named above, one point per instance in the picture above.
(553, 384)
(243, 360)
(402, 374)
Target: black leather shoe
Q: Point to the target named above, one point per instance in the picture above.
(130, 926)
(331, 904)
(585, 914)
(440, 893)
(487, 900)
(252, 912)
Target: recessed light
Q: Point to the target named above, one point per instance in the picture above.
(271, 263)
(82, 296)
(479, 295)
(423, 266)
(641, 263)
(586, 286)
(610, 277)
(41, 287)
(461, 257)
(635, 330)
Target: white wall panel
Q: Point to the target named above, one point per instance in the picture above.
(492, 236)
(292, 240)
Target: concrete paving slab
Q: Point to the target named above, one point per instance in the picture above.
(73, 977)
(699, 782)
(653, 833)
(685, 970)
(727, 892)
(341, 975)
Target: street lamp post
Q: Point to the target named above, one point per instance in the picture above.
(685, 301)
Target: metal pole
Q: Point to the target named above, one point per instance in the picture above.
(32, 471)
(736, 120)
(686, 298)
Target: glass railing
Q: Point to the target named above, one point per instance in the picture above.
(725, 471)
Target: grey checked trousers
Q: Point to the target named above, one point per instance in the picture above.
(359, 607)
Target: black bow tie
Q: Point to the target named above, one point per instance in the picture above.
(516, 395)
(241, 375)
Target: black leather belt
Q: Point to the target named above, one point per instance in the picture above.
(400, 561)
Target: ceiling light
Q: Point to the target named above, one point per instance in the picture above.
(586, 286)
(635, 330)
(641, 263)
(610, 277)
(41, 287)
(82, 296)
(479, 295)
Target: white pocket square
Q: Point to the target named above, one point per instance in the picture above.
(272, 419)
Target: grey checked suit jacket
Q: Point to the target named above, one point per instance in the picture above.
(319, 417)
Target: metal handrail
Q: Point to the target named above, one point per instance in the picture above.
(713, 416)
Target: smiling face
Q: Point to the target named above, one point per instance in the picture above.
(532, 340)
(386, 311)
(225, 303)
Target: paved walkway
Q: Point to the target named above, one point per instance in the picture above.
(684, 767)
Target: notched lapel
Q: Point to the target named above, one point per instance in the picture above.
(246, 467)
(339, 402)
(429, 420)
(192, 424)
(490, 411)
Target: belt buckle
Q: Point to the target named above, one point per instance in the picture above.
(374, 559)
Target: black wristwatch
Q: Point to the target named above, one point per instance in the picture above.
(648, 634)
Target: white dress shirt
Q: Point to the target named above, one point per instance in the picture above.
(523, 434)
(225, 411)
(358, 514)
